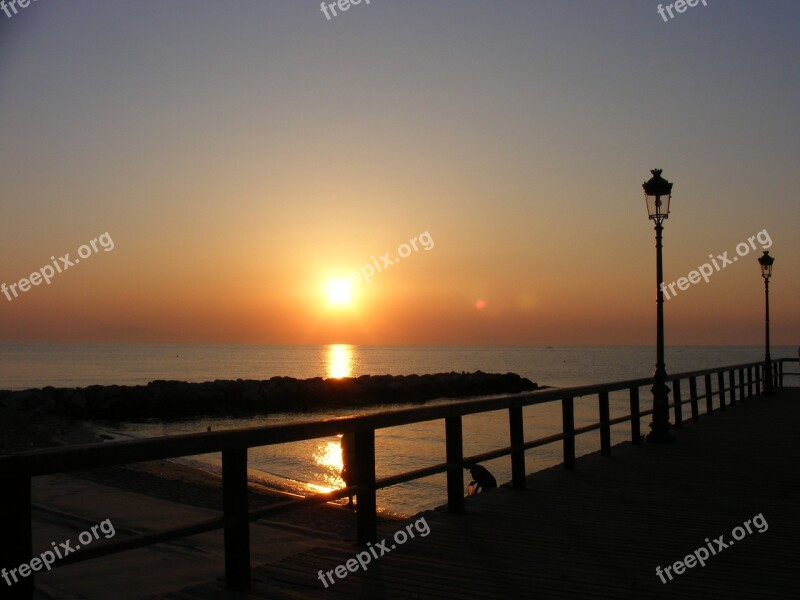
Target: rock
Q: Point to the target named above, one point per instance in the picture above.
(170, 400)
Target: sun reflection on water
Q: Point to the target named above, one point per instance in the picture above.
(328, 456)
(339, 361)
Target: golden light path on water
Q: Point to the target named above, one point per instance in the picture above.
(339, 361)
(327, 454)
(328, 457)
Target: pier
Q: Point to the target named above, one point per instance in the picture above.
(599, 531)
(596, 526)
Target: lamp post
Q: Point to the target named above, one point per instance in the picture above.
(766, 272)
(657, 194)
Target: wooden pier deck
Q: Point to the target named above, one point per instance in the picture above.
(599, 531)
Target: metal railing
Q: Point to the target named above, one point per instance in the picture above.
(17, 471)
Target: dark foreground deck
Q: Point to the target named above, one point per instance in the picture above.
(599, 531)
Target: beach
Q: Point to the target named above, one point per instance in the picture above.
(66, 505)
(146, 497)
(162, 479)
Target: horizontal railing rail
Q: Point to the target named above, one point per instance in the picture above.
(782, 373)
(743, 381)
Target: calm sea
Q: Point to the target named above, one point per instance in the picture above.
(315, 464)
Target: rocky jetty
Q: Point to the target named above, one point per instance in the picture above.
(175, 400)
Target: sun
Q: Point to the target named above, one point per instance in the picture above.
(339, 292)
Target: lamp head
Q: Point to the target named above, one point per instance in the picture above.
(657, 194)
(766, 261)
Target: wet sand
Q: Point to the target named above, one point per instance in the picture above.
(146, 497)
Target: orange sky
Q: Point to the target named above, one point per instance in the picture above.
(244, 157)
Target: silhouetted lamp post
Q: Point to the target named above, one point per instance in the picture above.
(657, 194)
(766, 272)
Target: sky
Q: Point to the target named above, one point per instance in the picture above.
(250, 171)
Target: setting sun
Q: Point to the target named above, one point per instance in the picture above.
(339, 291)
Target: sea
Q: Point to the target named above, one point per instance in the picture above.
(314, 465)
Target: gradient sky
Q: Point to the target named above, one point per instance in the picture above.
(241, 154)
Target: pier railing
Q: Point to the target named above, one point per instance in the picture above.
(733, 384)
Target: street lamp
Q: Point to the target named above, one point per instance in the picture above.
(657, 194)
(766, 272)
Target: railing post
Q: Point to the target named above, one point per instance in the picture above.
(693, 398)
(709, 395)
(237, 523)
(636, 433)
(455, 471)
(760, 368)
(605, 428)
(676, 394)
(367, 505)
(17, 545)
(749, 382)
(517, 438)
(568, 428)
(742, 395)
(780, 373)
(732, 382)
(721, 386)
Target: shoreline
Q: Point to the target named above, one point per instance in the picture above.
(166, 479)
(30, 421)
(204, 479)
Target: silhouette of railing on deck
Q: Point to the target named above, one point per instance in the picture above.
(743, 381)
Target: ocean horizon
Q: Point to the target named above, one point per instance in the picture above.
(36, 365)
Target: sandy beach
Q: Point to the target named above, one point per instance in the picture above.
(148, 497)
